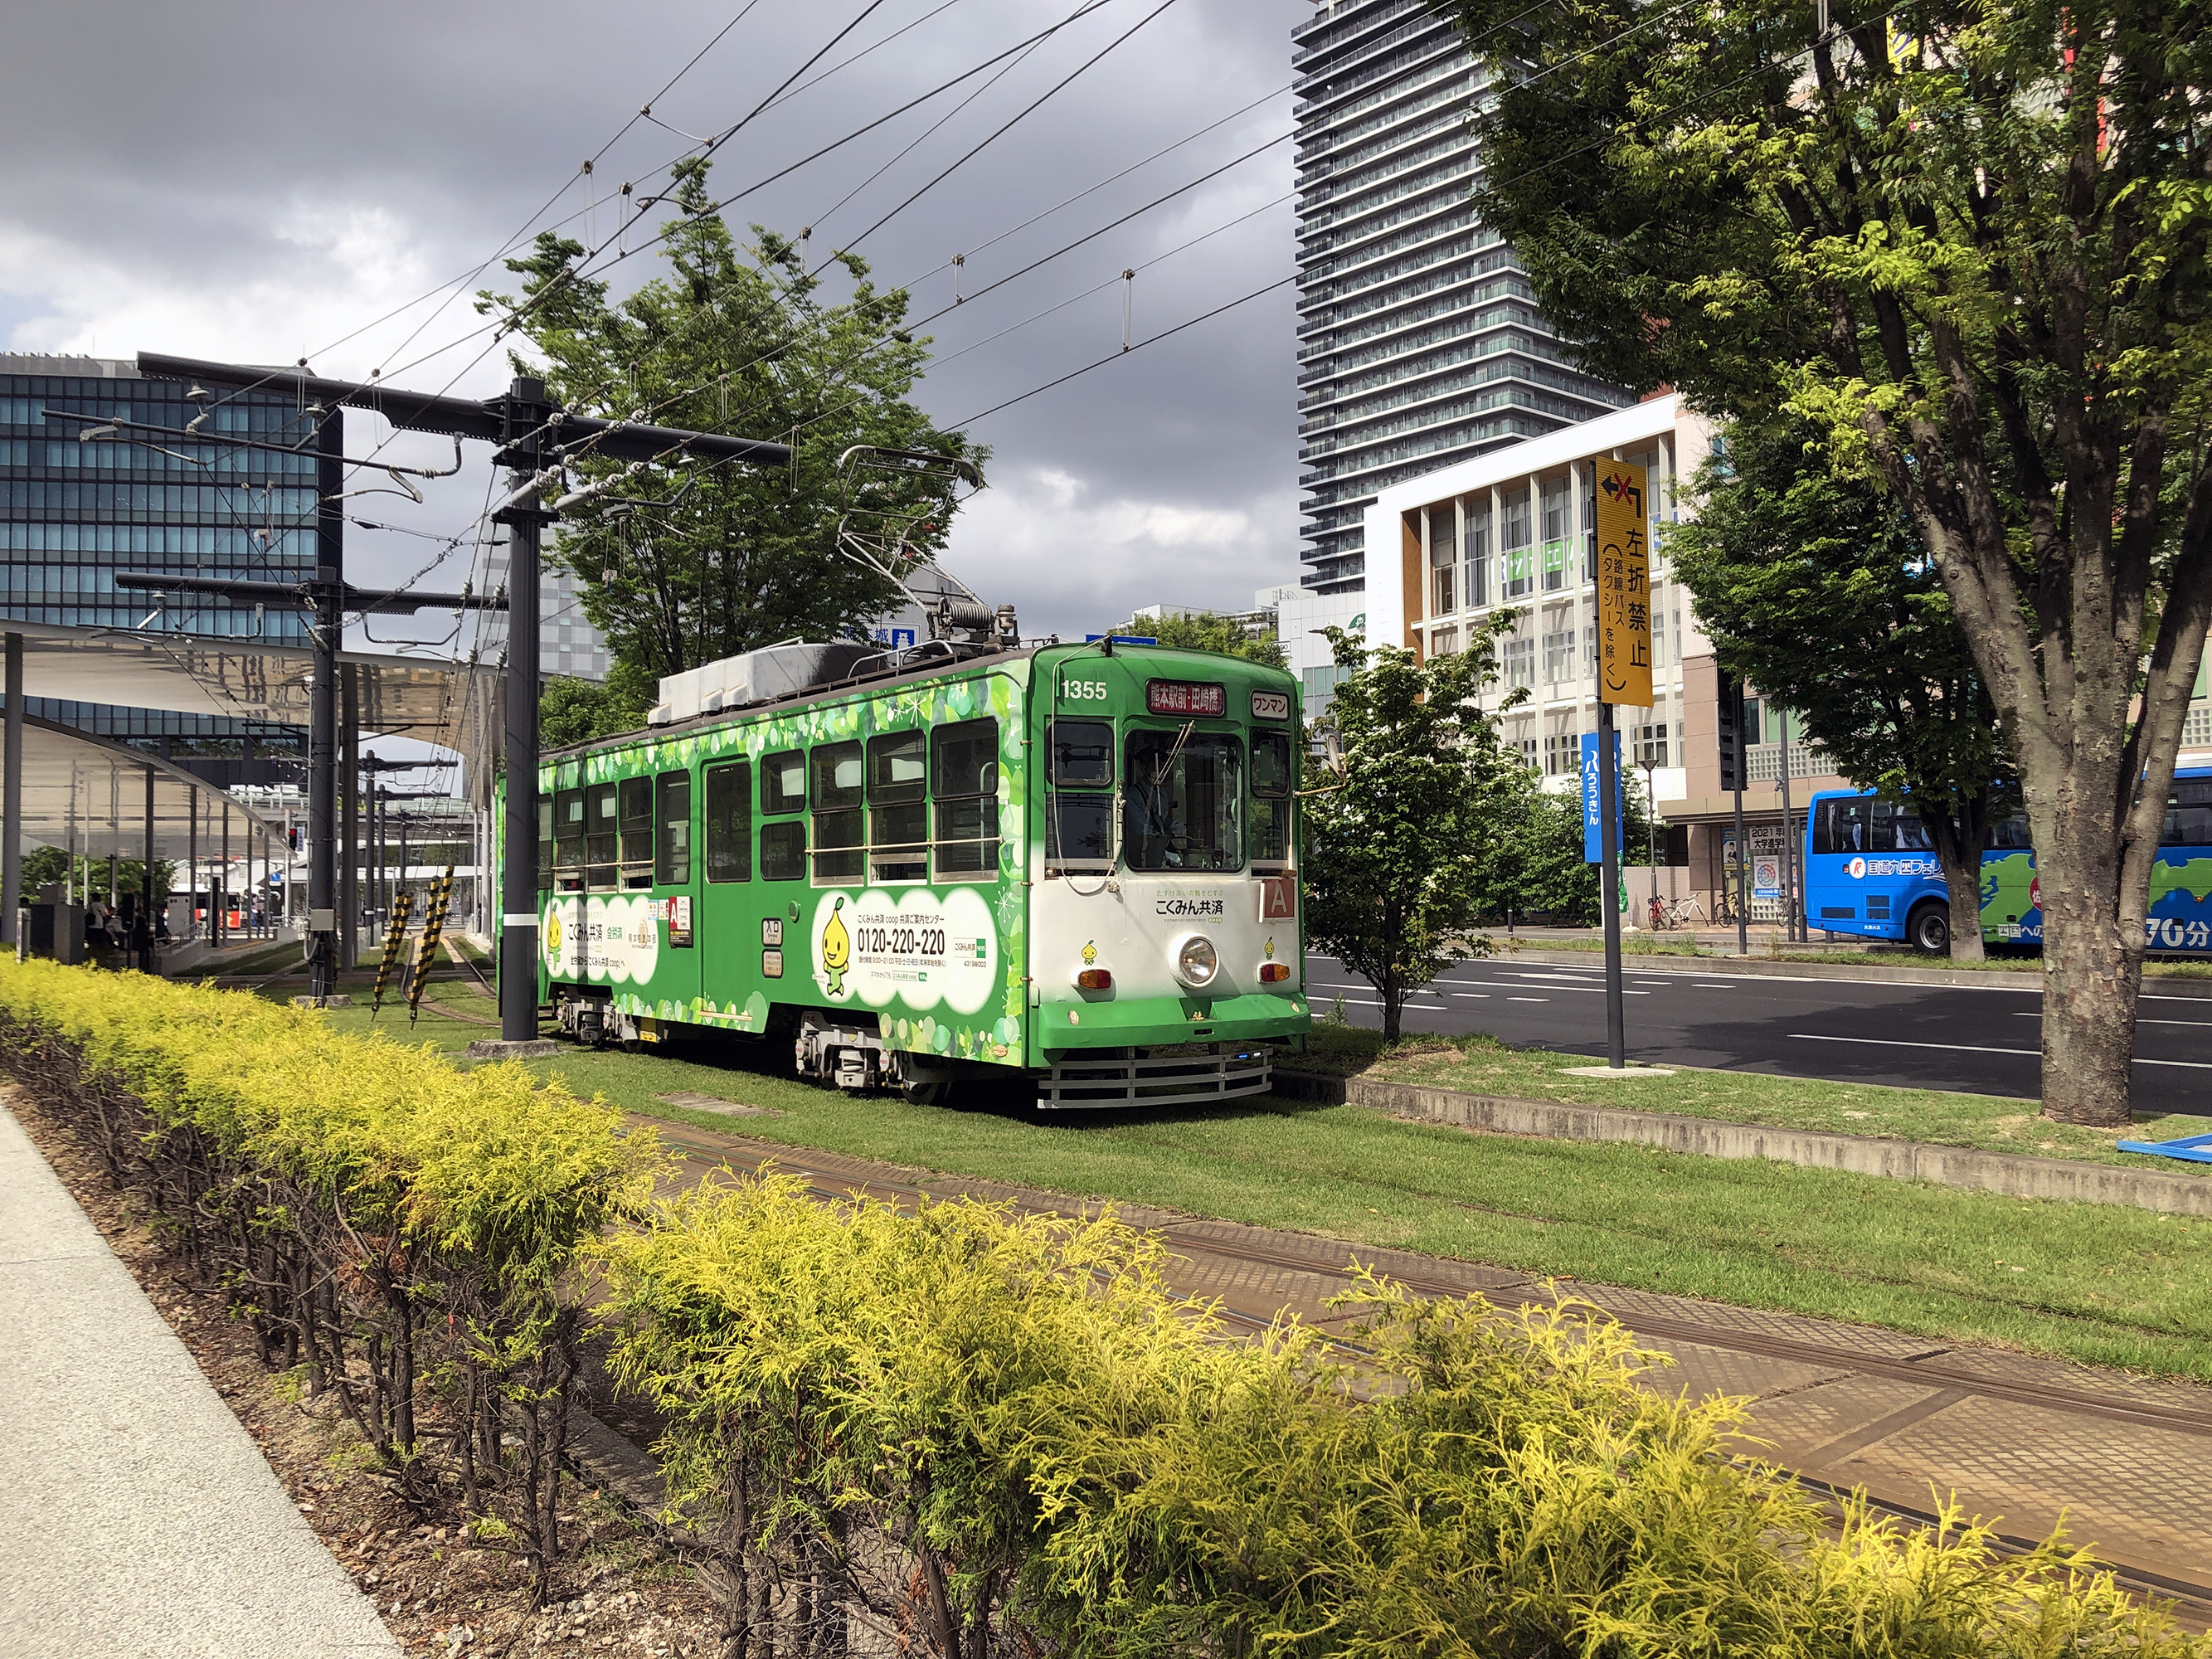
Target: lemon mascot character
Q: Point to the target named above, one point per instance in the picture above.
(837, 951)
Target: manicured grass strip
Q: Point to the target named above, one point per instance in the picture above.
(1995, 1123)
(2100, 1284)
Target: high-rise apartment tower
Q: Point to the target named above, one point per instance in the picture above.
(1419, 340)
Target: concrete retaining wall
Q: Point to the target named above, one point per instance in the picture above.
(2009, 1173)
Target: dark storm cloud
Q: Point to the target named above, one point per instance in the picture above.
(255, 180)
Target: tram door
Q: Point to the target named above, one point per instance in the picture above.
(676, 977)
(729, 930)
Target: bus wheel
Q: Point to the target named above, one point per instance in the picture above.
(1929, 929)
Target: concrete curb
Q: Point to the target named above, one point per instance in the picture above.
(1771, 968)
(2011, 1173)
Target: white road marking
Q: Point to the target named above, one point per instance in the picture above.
(1528, 999)
(1972, 1049)
(2199, 1025)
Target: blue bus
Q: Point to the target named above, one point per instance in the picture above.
(1871, 871)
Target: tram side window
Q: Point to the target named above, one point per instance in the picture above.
(730, 822)
(601, 841)
(1183, 806)
(633, 813)
(1078, 822)
(841, 844)
(671, 864)
(544, 843)
(569, 842)
(965, 772)
(898, 807)
(1271, 799)
(2187, 814)
(783, 783)
(783, 791)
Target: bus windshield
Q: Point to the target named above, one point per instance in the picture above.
(1184, 805)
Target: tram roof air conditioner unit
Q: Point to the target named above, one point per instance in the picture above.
(775, 670)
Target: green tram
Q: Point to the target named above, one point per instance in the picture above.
(1075, 864)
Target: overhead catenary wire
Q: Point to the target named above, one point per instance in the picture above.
(999, 132)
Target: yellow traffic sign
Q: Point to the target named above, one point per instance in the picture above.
(1624, 586)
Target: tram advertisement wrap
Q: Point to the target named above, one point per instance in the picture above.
(914, 948)
(613, 940)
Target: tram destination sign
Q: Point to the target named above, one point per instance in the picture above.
(1624, 586)
(1185, 697)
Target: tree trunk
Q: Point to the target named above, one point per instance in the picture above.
(1959, 853)
(2091, 971)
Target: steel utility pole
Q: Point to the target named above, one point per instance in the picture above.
(523, 454)
(534, 441)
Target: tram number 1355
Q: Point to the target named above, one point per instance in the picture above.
(900, 941)
(1081, 690)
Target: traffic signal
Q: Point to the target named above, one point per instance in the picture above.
(1728, 729)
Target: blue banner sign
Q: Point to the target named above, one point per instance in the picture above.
(1593, 822)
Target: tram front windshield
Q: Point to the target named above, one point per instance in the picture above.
(1184, 801)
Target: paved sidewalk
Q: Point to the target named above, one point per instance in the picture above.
(137, 1517)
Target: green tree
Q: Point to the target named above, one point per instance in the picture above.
(1403, 821)
(571, 711)
(43, 865)
(1820, 592)
(1203, 630)
(1538, 866)
(1968, 244)
(686, 565)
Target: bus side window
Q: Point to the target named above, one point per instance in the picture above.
(634, 799)
(834, 771)
(964, 787)
(569, 842)
(898, 807)
(1078, 820)
(2009, 833)
(1911, 834)
(671, 864)
(730, 822)
(1271, 799)
(1841, 824)
(602, 855)
(2187, 814)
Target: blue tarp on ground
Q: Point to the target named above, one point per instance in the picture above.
(2197, 1149)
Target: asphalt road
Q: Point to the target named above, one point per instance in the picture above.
(1985, 1041)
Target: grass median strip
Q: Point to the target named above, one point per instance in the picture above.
(1483, 1066)
(2099, 1284)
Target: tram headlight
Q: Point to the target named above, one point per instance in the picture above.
(1197, 961)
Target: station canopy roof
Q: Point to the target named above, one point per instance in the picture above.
(88, 795)
(76, 785)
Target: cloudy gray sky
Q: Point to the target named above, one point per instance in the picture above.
(256, 181)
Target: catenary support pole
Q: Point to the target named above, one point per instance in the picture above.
(1789, 919)
(146, 888)
(350, 827)
(1609, 882)
(222, 906)
(193, 860)
(525, 413)
(12, 797)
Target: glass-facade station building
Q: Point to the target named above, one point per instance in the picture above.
(73, 514)
(1419, 341)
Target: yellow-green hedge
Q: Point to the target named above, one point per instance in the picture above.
(967, 1432)
(404, 1230)
(1073, 1460)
